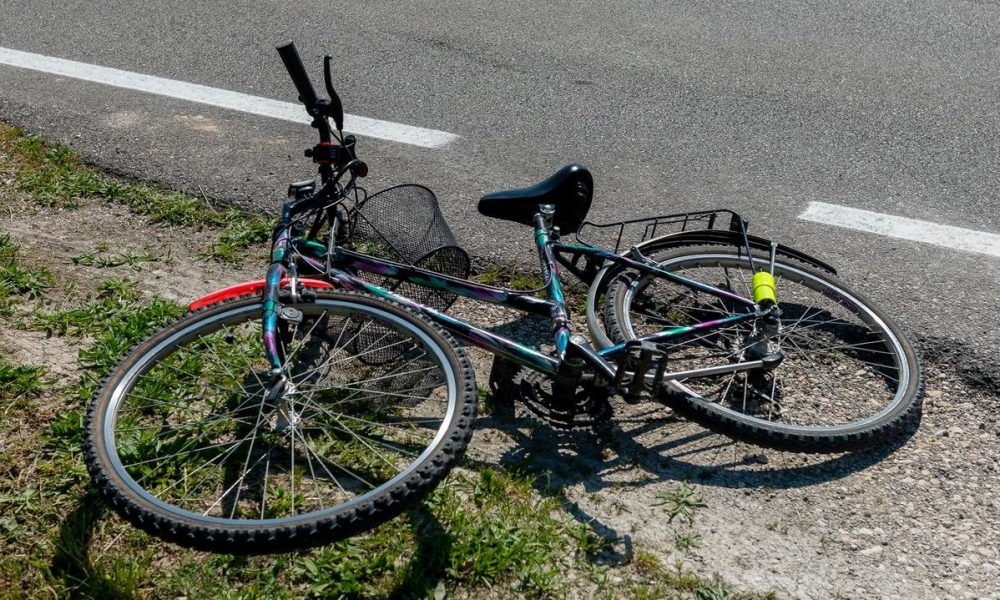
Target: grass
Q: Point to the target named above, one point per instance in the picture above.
(18, 280)
(101, 259)
(241, 231)
(686, 540)
(18, 382)
(515, 279)
(493, 275)
(682, 501)
(526, 282)
(55, 177)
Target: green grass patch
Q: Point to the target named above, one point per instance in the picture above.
(241, 231)
(16, 279)
(21, 381)
(681, 502)
(514, 279)
(55, 176)
(491, 276)
(526, 282)
(102, 259)
(115, 318)
(488, 530)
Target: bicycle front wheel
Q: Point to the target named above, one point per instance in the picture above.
(189, 439)
(849, 378)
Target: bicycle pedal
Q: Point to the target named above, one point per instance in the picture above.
(502, 384)
(639, 357)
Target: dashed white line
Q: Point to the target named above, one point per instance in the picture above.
(948, 236)
(286, 111)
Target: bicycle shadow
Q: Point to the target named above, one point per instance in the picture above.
(652, 445)
(71, 563)
(74, 566)
(656, 447)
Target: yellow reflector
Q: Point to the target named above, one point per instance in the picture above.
(764, 288)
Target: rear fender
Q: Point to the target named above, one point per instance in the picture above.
(725, 237)
(249, 287)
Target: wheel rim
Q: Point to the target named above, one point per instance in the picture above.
(193, 431)
(844, 368)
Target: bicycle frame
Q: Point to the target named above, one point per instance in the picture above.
(334, 264)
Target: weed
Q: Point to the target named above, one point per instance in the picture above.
(19, 381)
(778, 527)
(647, 563)
(521, 281)
(681, 502)
(241, 231)
(30, 147)
(493, 404)
(65, 432)
(18, 280)
(109, 261)
(686, 540)
(525, 282)
(491, 276)
(511, 535)
(105, 261)
(116, 319)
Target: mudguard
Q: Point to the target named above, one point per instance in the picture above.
(717, 237)
(249, 287)
(724, 237)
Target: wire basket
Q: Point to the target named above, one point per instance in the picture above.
(404, 224)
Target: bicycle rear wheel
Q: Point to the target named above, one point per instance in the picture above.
(188, 440)
(849, 379)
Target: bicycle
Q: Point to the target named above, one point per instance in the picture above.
(331, 396)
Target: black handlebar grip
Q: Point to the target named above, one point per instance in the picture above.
(290, 56)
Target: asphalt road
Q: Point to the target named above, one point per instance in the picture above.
(757, 106)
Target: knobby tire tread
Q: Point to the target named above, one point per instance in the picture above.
(777, 437)
(386, 505)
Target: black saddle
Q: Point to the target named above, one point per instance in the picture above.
(570, 190)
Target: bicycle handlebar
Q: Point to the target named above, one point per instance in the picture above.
(290, 56)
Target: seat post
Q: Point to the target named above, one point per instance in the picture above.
(550, 271)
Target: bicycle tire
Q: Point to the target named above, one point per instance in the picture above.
(873, 394)
(186, 440)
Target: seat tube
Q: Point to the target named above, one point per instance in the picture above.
(553, 285)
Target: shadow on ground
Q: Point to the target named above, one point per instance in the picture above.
(647, 443)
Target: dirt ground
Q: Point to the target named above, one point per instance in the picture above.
(915, 520)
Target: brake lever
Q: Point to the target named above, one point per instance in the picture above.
(335, 110)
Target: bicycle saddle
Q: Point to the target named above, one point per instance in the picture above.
(570, 190)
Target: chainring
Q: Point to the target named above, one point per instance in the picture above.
(583, 407)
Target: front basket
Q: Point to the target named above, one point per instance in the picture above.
(404, 224)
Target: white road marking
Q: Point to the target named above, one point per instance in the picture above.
(286, 111)
(903, 228)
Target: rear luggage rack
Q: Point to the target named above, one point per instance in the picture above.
(623, 235)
